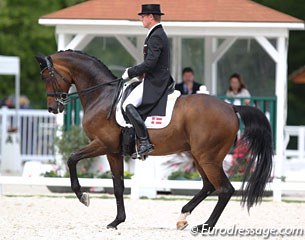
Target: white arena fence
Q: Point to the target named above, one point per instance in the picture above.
(36, 134)
(138, 187)
(38, 130)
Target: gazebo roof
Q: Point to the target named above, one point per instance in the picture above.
(181, 10)
(298, 76)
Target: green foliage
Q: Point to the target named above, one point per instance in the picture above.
(71, 141)
(51, 173)
(22, 36)
(81, 174)
(183, 175)
(108, 175)
(296, 57)
(127, 175)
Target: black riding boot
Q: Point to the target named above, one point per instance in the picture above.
(134, 117)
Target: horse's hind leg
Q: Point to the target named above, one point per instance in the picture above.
(91, 150)
(206, 190)
(225, 190)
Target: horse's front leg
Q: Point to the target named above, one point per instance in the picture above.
(117, 168)
(93, 149)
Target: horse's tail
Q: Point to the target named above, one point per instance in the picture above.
(257, 134)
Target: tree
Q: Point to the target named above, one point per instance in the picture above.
(22, 36)
(296, 57)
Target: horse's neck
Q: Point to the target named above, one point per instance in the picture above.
(101, 96)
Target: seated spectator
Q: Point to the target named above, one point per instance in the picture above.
(188, 86)
(24, 102)
(237, 88)
(10, 101)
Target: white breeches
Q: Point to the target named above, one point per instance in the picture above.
(135, 97)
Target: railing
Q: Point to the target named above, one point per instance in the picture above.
(266, 104)
(37, 133)
(72, 115)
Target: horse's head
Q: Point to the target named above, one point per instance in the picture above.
(57, 80)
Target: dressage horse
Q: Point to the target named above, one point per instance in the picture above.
(201, 124)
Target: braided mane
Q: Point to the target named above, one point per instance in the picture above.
(92, 57)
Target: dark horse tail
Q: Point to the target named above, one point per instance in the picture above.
(257, 134)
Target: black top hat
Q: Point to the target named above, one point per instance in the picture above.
(151, 9)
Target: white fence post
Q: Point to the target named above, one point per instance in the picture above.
(144, 179)
(10, 148)
(4, 111)
(277, 190)
(301, 142)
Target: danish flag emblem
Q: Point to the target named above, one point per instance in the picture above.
(156, 120)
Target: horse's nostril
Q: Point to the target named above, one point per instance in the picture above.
(50, 109)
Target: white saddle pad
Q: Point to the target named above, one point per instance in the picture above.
(152, 122)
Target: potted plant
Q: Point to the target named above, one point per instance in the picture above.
(239, 163)
(240, 160)
(71, 141)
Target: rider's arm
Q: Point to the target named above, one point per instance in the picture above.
(153, 52)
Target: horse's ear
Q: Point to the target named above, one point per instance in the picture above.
(49, 61)
(41, 59)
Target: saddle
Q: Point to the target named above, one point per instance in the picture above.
(151, 122)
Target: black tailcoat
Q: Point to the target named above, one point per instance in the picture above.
(157, 75)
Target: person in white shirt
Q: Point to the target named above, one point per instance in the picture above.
(237, 88)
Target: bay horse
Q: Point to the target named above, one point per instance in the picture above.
(201, 124)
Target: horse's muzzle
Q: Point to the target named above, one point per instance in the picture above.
(56, 108)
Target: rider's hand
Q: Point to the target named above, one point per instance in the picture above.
(125, 75)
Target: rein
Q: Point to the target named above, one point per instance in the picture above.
(65, 98)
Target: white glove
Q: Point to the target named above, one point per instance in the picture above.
(125, 74)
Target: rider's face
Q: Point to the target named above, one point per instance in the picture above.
(146, 20)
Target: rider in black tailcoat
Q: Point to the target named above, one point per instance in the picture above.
(156, 74)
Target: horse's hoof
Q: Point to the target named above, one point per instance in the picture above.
(85, 199)
(112, 227)
(182, 225)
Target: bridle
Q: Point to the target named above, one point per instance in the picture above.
(60, 96)
(63, 97)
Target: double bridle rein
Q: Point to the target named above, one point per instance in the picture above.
(64, 98)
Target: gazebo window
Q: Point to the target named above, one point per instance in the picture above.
(256, 67)
(111, 53)
(193, 56)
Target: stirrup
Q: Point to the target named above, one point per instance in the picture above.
(137, 155)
